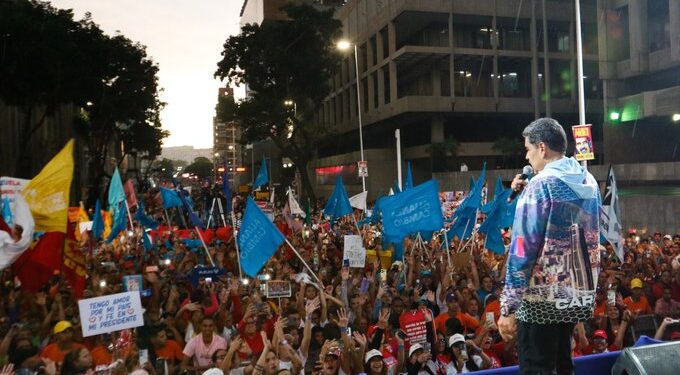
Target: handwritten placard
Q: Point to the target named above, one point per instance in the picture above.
(110, 313)
(355, 251)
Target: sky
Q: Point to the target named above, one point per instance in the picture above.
(185, 39)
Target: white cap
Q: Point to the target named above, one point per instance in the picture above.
(372, 353)
(413, 349)
(456, 338)
(213, 371)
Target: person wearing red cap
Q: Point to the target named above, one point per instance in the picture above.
(599, 343)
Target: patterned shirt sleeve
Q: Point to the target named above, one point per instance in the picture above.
(528, 237)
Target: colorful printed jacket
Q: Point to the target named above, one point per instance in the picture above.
(553, 260)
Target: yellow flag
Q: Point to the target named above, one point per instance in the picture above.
(48, 193)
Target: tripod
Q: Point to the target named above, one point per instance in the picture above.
(217, 200)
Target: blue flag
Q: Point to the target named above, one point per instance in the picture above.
(338, 204)
(119, 222)
(258, 239)
(409, 177)
(375, 216)
(227, 192)
(494, 211)
(414, 210)
(147, 241)
(143, 219)
(170, 198)
(6, 211)
(116, 192)
(262, 176)
(97, 222)
(195, 220)
(466, 213)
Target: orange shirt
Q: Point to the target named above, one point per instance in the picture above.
(600, 309)
(171, 351)
(53, 352)
(101, 356)
(639, 307)
(468, 322)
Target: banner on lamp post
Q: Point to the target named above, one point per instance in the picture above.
(583, 141)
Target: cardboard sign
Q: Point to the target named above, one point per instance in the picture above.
(278, 289)
(110, 313)
(132, 283)
(583, 140)
(355, 251)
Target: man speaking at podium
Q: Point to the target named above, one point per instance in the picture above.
(553, 259)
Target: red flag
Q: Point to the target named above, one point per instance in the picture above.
(129, 189)
(75, 269)
(36, 265)
(4, 226)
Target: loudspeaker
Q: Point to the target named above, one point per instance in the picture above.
(657, 359)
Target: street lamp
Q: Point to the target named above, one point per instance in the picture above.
(344, 45)
(676, 117)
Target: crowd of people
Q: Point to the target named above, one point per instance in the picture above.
(433, 312)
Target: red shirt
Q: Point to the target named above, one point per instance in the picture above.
(414, 325)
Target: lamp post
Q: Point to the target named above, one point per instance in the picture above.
(345, 45)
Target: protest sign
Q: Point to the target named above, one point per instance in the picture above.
(583, 141)
(278, 289)
(355, 251)
(202, 273)
(9, 187)
(132, 283)
(110, 313)
(414, 325)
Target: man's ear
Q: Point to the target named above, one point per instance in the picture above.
(542, 148)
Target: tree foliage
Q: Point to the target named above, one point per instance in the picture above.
(511, 149)
(201, 167)
(282, 61)
(48, 59)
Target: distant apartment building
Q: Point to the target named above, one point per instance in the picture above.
(186, 154)
(471, 72)
(226, 148)
(640, 67)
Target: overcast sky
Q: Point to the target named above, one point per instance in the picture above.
(185, 39)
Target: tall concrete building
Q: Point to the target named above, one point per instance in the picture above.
(226, 147)
(453, 73)
(640, 67)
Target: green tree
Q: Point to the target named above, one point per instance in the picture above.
(441, 153)
(201, 167)
(282, 61)
(511, 150)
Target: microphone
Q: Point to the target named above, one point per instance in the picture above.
(527, 172)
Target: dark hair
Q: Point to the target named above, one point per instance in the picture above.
(70, 366)
(548, 131)
(18, 356)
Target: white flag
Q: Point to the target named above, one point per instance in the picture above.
(271, 196)
(610, 227)
(294, 205)
(9, 249)
(359, 200)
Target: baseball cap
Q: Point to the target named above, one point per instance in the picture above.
(668, 237)
(62, 326)
(371, 354)
(456, 338)
(600, 333)
(413, 349)
(636, 283)
(451, 297)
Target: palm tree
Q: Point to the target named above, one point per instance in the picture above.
(440, 152)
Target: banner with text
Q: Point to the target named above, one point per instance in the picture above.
(583, 140)
(355, 251)
(110, 313)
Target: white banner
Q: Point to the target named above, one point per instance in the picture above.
(110, 313)
(294, 205)
(354, 251)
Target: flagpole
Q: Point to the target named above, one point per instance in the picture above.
(462, 239)
(303, 262)
(127, 208)
(238, 255)
(448, 250)
(200, 236)
(167, 218)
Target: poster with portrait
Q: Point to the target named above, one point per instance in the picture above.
(583, 142)
(278, 289)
